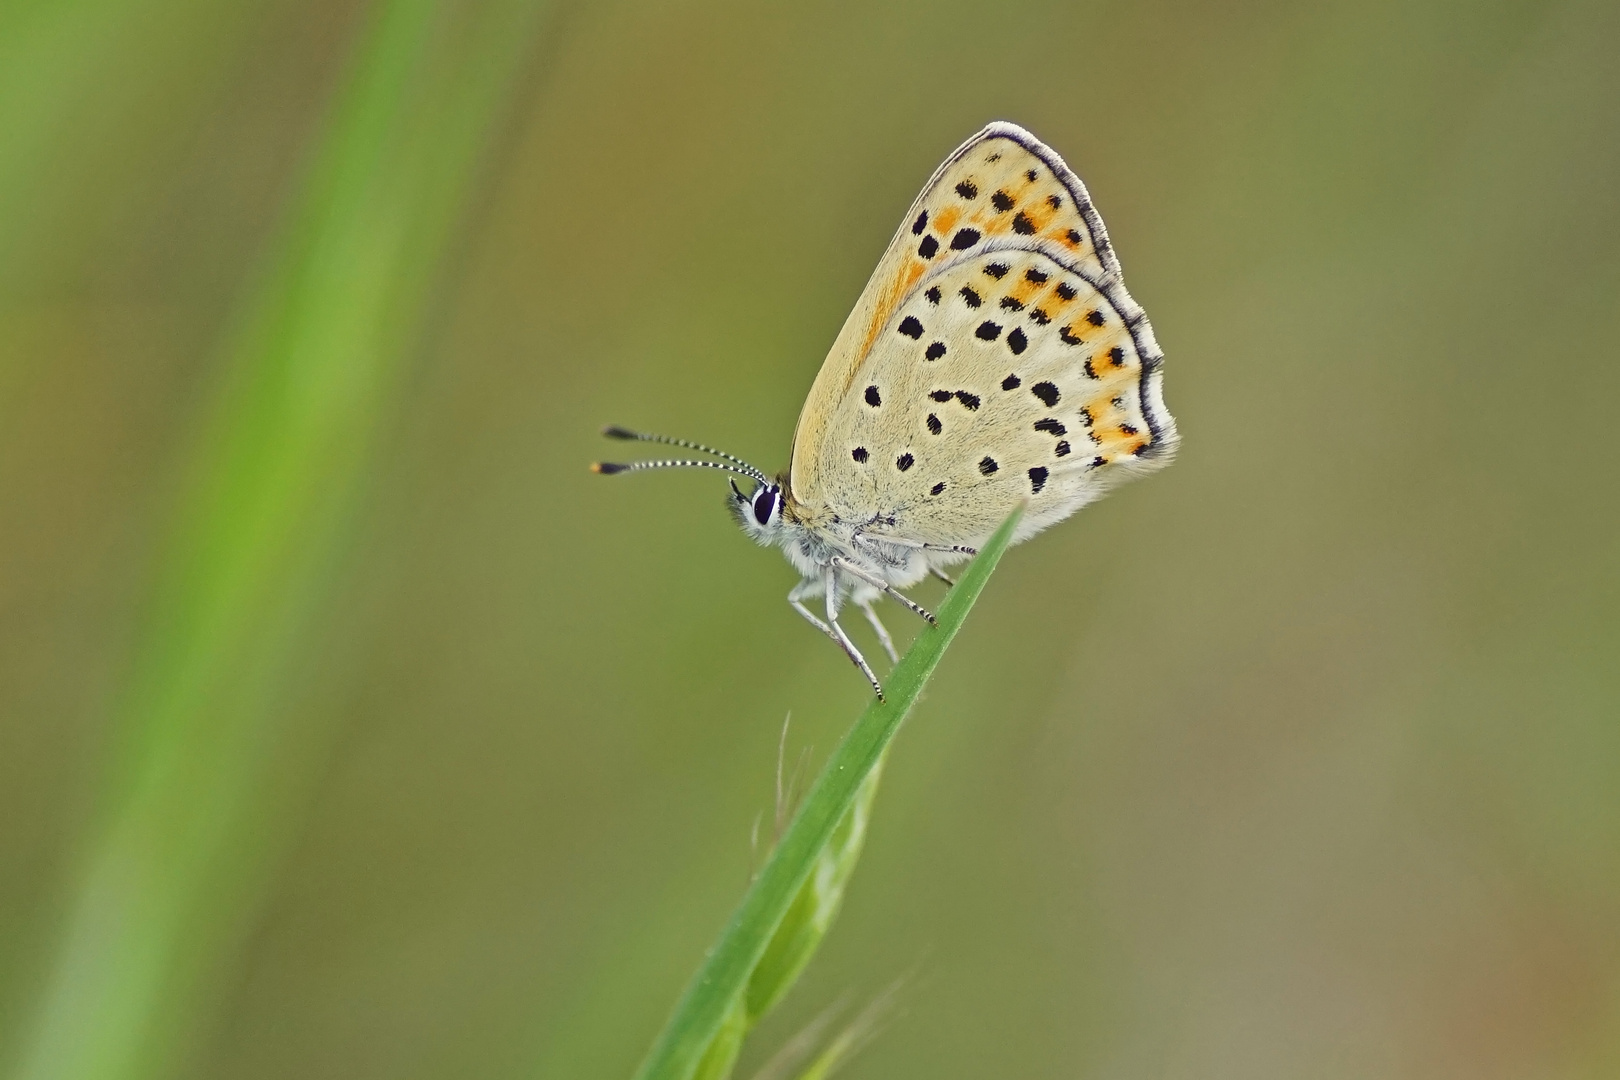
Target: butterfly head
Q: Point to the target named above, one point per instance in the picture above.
(759, 511)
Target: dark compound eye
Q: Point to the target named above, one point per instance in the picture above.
(764, 504)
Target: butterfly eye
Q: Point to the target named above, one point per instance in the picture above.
(764, 503)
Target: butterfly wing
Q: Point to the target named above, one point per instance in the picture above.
(994, 355)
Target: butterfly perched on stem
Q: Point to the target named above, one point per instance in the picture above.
(994, 358)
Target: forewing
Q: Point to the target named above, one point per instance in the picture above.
(1003, 187)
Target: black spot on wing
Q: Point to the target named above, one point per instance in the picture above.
(920, 224)
(987, 465)
(1016, 341)
(910, 327)
(1061, 449)
(904, 462)
(1047, 392)
(1051, 426)
(1039, 317)
(967, 189)
(964, 239)
(1001, 201)
(1067, 337)
(987, 331)
(934, 351)
(928, 247)
(1095, 317)
(1021, 224)
(859, 454)
(1011, 382)
(1066, 291)
(933, 295)
(996, 270)
(1037, 276)
(941, 395)
(934, 426)
(969, 297)
(970, 402)
(1054, 201)
(1117, 356)
(873, 398)
(937, 488)
(1037, 479)
(1011, 303)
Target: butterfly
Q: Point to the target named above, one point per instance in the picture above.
(993, 359)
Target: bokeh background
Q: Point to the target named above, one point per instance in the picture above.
(350, 728)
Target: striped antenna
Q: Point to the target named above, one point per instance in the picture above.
(612, 468)
(613, 431)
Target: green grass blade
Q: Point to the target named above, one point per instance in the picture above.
(207, 743)
(712, 1000)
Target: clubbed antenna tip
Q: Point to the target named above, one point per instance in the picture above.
(614, 431)
(607, 468)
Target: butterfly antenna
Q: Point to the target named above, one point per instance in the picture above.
(613, 468)
(613, 431)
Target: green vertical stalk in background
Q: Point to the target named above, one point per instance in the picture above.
(184, 832)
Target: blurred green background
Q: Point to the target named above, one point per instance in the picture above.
(350, 728)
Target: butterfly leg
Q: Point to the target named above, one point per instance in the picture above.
(916, 545)
(882, 633)
(878, 583)
(831, 627)
(942, 576)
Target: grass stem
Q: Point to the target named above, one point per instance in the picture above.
(778, 924)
